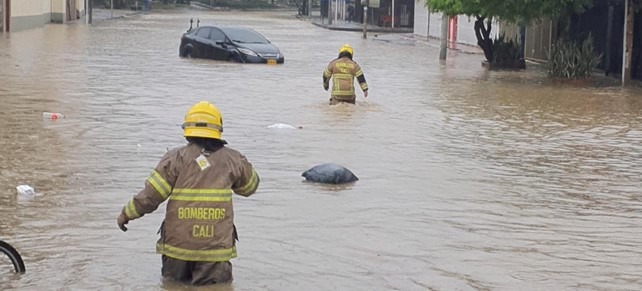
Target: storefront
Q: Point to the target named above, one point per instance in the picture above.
(387, 13)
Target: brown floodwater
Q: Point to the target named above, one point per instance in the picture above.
(469, 179)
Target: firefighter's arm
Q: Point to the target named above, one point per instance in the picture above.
(361, 78)
(248, 180)
(327, 73)
(158, 187)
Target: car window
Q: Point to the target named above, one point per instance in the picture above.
(217, 35)
(244, 35)
(203, 32)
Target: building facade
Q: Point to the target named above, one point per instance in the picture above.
(461, 28)
(605, 23)
(18, 15)
(386, 13)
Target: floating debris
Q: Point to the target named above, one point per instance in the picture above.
(284, 126)
(329, 174)
(25, 190)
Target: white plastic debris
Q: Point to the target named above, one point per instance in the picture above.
(283, 126)
(25, 190)
(52, 115)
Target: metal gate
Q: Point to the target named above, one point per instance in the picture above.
(1, 16)
(538, 40)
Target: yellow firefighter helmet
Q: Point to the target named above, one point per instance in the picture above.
(346, 48)
(203, 120)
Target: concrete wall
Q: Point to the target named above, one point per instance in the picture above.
(429, 24)
(538, 35)
(466, 30)
(21, 8)
(58, 11)
(421, 18)
(27, 14)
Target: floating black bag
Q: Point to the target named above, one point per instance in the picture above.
(329, 174)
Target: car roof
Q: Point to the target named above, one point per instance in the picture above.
(227, 29)
(224, 27)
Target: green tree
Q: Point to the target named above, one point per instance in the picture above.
(511, 11)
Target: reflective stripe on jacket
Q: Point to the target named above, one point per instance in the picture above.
(199, 220)
(343, 71)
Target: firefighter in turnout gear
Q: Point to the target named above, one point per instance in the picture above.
(343, 70)
(197, 237)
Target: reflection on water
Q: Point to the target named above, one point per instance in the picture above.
(469, 179)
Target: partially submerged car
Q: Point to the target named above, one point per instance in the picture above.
(229, 43)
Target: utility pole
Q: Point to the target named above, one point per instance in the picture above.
(392, 23)
(428, 24)
(443, 48)
(628, 43)
(91, 11)
(112, 9)
(365, 19)
(329, 12)
(609, 39)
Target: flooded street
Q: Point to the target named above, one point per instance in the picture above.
(469, 179)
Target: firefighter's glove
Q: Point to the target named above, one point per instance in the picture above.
(122, 220)
(326, 86)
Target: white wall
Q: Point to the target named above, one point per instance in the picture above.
(421, 18)
(80, 5)
(30, 7)
(39, 7)
(465, 25)
(58, 6)
(27, 14)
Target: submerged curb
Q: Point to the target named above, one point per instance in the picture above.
(355, 28)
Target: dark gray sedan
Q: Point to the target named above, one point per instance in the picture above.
(229, 43)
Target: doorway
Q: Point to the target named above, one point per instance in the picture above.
(71, 10)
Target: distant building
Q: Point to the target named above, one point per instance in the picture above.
(385, 13)
(605, 22)
(18, 15)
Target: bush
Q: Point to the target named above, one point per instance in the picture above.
(572, 60)
(505, 53)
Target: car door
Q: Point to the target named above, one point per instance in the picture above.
(217, 49)
(201, 42)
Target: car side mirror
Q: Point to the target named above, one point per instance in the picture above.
(220, 42)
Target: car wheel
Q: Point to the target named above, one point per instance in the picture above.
(188, 53)
(233, 59)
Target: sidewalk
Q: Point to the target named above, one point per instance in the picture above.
(343, 25)
(100, 14)
(201, 6)
(436, 42)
